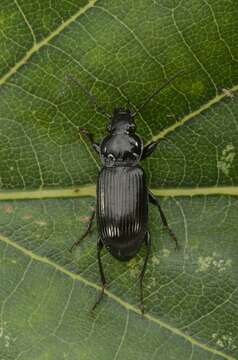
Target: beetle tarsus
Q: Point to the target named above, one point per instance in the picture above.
(142, 274)
(103, 279)
(90, 137)
(99, 298)
(173, 236)
(142, 309)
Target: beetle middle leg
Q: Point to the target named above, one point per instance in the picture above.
(88, 230)
(142, 274)
(149, 149)
(155, 202)
(103, 280)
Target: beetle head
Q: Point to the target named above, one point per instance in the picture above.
(122, 122)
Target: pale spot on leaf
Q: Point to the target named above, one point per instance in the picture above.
(84, 219)
(8, 209)
(27, 217)
(226, 160)
(224, 341)
(211, 262)
(40, 222)
(228, 93)
(155, 260)
(166, 252)
(134, 267)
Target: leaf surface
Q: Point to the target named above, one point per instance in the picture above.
(119, 51)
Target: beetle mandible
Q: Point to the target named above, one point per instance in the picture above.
(122, 193)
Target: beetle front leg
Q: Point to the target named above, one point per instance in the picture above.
(155, 202)
(90, 137)
(149, 149)
(142, 274)
(103, 280)
(87, 231)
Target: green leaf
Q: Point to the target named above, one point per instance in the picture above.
(118, 50)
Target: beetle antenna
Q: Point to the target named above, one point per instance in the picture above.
(91, 97)
(157, 92)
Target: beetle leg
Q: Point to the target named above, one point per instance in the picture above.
(155, 202)
(103, 280)
(90, 137)
(148, 149)
(87, 231)
(141, 277)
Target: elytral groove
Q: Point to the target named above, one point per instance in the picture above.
(90, 190)
(37, 46)
(192, 115)
(118, 300)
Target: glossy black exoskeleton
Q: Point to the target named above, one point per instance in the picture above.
(122, 193)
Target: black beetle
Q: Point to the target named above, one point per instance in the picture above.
(122, 193)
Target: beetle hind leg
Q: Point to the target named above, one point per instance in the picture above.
(155, 202)
(87, 231)
(103, 280)
(142, 274)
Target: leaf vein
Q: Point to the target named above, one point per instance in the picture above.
(90, 191)
(195, 113)
(143, 47)
(36, 47)
(123, 303)
(192, 52)
(26, 21)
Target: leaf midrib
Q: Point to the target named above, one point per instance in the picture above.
(90, 191)
(123, 303)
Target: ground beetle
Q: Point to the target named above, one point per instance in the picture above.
(122, 193)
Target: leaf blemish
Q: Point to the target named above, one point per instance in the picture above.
(152, 283)
(40, 222)
(227, 158)
(224, 341)
(8, 209)
(7, 340)
(6, 337)
(166, 252)
(211, 262)
(84, 219)
(134, 267)
(155, 260)
(228, 93)
(27, 217)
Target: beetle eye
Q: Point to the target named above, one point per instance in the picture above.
(111, 157)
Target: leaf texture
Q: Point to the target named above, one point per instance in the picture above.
(119, 51)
